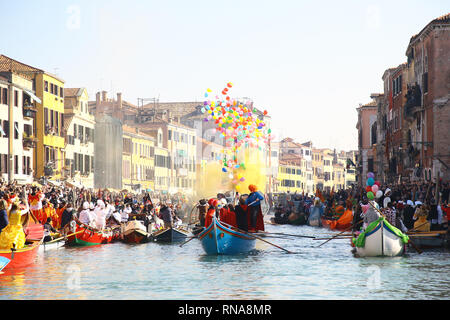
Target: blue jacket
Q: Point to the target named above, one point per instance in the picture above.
(253, 197)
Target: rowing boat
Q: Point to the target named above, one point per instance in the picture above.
(428, 240)
(380, 239)
(21, 258)
(172, 234)
(218, 239)
(89, 236)
(51, 245)
(135, 232)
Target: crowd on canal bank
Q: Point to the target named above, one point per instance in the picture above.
(407, 206)
(418, 206)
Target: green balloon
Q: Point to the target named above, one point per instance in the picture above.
(370, 195)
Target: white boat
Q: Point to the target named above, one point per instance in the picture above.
(50, 245)
(381, 240)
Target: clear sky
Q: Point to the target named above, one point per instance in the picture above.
(308, 63)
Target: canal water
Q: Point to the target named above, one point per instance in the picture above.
(157, 271)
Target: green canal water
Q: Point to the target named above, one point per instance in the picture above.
(167, 271)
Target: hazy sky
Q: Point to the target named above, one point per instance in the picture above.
(308, 63)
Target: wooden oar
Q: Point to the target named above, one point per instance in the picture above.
(69, 235)
(251, 235)
(287, 234)
(188, 241)
(340, 233)
(410, 241)
(414, 229)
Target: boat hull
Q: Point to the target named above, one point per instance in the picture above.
(136, 236)
(170, 235)
(22, 257)
(428, 240)
(44, 247)
(218, 239)
(88, 237)
(381, 241)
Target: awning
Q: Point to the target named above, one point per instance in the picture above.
(32, 95)
(55, 183)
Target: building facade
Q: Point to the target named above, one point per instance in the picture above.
(79, 127)
(17, 132)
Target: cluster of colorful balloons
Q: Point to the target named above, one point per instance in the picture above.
(373, 187)
(238, 122)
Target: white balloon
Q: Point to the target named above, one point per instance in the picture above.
(379, 194)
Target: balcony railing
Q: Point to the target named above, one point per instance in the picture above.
(29, 142)
(29, 111)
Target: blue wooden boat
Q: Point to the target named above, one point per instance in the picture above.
(221, 239)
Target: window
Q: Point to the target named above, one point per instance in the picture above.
(425, 82)
(61, 92)
(57, 122)
(16, 130)
(55, 90)
(51, 88)
(3, 163)
(28, 130)
(5, 96)
(24, 165)
(5, 128)
(16, 164)
(170, 135)
(46, 86)
(16, 98)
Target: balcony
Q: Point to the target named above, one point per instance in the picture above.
(29, 142)
(413, 102)
(29, 111)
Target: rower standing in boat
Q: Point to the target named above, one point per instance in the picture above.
(166, 215)
(254, 209)
(241, 214)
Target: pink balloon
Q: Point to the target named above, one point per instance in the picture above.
(374, 188)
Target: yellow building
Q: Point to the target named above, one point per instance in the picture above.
(327, 169)
(290, 178)
(338, 176)
(49, 152)
(318, 174)
(138, 160)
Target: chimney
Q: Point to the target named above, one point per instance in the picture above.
(119, 100)
(104, 95)
(97, 99)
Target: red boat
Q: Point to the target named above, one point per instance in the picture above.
(25, 256)
(88, 236)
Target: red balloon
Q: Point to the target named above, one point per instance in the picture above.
(368, 188)
(265, 112)
(377, 183)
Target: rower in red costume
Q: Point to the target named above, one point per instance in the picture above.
(226, 215)
(211, 211)
(35, 200)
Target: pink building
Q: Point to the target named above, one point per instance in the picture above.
(367, 118)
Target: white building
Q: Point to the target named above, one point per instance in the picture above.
(79, 125)
(17, 134)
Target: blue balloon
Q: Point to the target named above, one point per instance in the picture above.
(370, 181)
(224, 169)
